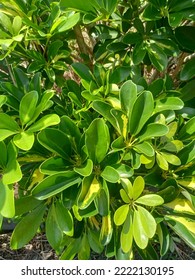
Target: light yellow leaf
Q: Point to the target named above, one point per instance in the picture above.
(181, 205)
(36, 178)
(190, 225)
(187, 182)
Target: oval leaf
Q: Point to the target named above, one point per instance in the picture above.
(148, 221)
(150, 200)
(24, 140)
(28, 106)
(55, 141)
(139, 235)
(110, 174)
(97, 140)
(54, 233)
(138, 187)
(54, 184)
(27, 228)
(120, 214)
(153, 130)
(141, 112)
(64, 219)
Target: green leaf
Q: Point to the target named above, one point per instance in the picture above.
(66, 23)
(64, 219)
(168, 103)
(93, 238)
(86, 6)
(8, 126)
(172, 159)
(69, 127)
(176, 5)
(82, 71)
(188, 71)
(123, 170)
(105, 110)
(102, 200)
(54, 233)
(7, 202)
(164, 238)
(144, 148)
(120, 74)
(3, 157)
(90, 211)
(84, 253)
(132, 38)
(110, 174)
(150, 200)
(24, 140)
(187, 92)
(138, 187)
(187, 154)
(90, 188)
(44, 104)
(44, 122)
(26, 204)
(55, 141)
(85, 170)
(184, 228)
(157, 57)
(181, 205)
(139, 234)
(6, 22)
(17, 24)
(3, 100)
(148, 221)
(162, 162)
(141, 112)
(126, 237)
(54, 165)
(55, 184)
(139, 53)
(153, 130)
(97, 140)
(185, 36)
(188, 130)
(27, 228)
(120, 214)
(128, 96)
(72, 249)
(27, 106)
(12, 172)
(106, 230)
(151, 12)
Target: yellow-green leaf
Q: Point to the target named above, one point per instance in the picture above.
(139, 234)
(106, 230)
(90, 188)
(138, 187)
(148, 222)
(181, 205)
(120, 214)
(24, 140)
(127, 234)
(7, 204)
(162, 162)
(150, 200)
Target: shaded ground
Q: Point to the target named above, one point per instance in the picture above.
(39, 249)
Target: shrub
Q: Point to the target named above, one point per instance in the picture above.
(97, 125)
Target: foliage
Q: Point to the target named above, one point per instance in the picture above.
(97, 126)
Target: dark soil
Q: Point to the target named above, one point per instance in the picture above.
(39, 249)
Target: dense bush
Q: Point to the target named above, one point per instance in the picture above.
(97, 125)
